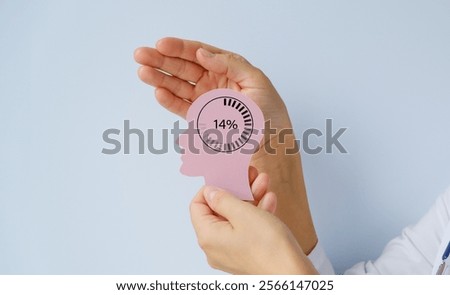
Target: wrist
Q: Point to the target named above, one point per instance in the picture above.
(283, 165)
(277, 144)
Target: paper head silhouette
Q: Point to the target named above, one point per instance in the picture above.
(225, 129)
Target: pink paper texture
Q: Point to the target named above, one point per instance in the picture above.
(225, 129)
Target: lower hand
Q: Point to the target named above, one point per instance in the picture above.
(240, 238)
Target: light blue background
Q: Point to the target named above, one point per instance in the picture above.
(379, 68)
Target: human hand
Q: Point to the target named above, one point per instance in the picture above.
(181, 70)
(239, 238)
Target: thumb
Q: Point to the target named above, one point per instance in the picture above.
(232, 65)
(226, 205)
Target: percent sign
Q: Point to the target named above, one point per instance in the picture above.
(226, 123)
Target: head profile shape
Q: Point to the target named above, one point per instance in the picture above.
(225, 129)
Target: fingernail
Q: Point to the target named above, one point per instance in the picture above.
(210, 193)
(206, 53)
(158, 43)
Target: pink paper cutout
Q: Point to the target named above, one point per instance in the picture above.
(222, 155)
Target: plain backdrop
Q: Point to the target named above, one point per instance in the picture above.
(379, 68)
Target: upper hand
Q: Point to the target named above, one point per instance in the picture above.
(181, 70)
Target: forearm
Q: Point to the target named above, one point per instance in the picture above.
(286, 179)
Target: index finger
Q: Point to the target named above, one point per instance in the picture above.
(185, 49)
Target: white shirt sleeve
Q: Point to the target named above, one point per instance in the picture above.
(413, 252)
(320, 260)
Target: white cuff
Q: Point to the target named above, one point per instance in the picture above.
(320, 260)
